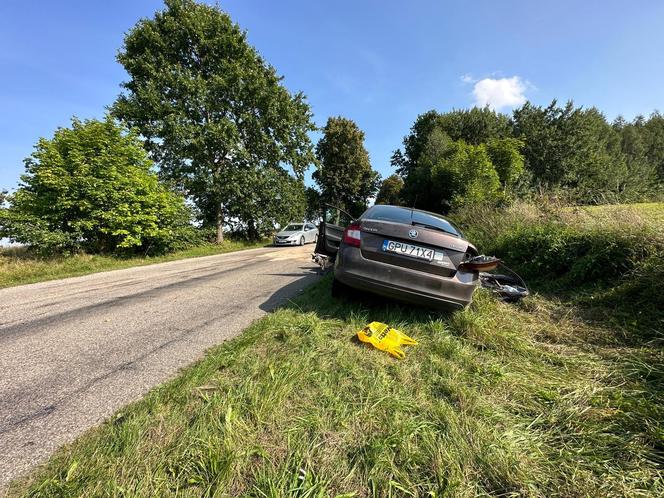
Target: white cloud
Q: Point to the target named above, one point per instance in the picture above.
(499, 93)
(467, 78)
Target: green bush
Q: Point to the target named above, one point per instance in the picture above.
(549, 242)
(553, 250)
(643, 292)
(91, 188)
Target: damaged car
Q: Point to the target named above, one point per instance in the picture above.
(407, 254)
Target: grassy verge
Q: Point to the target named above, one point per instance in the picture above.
(605, 261)
(498, 399)
(18, 267)
(651, 210)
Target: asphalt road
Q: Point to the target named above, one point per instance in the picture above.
(74, 351)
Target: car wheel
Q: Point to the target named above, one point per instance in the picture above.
(302, 240)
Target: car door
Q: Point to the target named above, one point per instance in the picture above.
(331, 230)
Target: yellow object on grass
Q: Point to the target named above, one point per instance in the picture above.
(385, 338)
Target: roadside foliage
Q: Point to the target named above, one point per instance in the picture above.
(216, 117)
(92, 188)
(568, 152)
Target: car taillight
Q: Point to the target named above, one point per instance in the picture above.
(352, 235)
(480, 263)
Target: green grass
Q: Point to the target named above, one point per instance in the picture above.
(652, 210)
(606, 261)
(18, 267)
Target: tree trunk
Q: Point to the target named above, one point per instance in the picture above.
(220, 225)
(252, 232)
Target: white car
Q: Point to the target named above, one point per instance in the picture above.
(296, 234)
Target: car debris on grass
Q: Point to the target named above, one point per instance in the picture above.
(383, 337)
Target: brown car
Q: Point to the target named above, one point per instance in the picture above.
(402, 253)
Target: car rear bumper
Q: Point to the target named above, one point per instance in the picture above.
(408, 285)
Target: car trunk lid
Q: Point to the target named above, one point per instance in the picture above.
(448, 250)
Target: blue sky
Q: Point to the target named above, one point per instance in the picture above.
(380, 63)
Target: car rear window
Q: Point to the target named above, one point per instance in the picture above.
(408, 216)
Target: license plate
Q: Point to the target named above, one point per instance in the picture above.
(408, 250)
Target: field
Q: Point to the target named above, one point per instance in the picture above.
(18, 267)
(560, 395)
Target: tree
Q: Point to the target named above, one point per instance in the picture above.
(414, 143)
(653, 131)
(398, 161)
(214, 115)
(345, 176)
(572, 149)
(451, 174)
(505, 154)
(390, 191)
(474, 126)
(91, 187)
(432, 148)
(444, 174)
(463, 175)
(639, 150)
(313, 208)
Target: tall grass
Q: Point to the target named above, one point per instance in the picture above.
(550, 241)
(609, 259)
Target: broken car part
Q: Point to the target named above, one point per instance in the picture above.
(383, 337)
(508, 288)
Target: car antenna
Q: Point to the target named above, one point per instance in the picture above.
(412, 208)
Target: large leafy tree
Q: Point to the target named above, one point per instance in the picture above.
(572, 149)
(643, 155)
(345, 176)
(432, 146)
(474, 126)
(505, 154)
(272, 198)
(450, 175)
(91, 187)
(653, 131)
(390, 191)
(313, 204)
(213, 113)
(642, 141)
(468, 175)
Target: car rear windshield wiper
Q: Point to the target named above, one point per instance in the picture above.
(433, 227)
